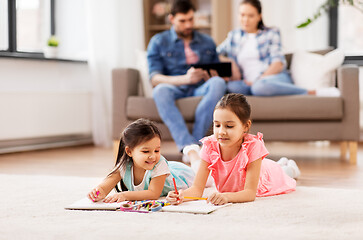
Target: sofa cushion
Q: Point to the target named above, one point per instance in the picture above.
(286, 108)
(141, 65)
(313, 71)
(141, 107)
(297, 107)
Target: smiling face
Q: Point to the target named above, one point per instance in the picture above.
(228, 128)
(249, 18)
(183, 23)
(145, 155)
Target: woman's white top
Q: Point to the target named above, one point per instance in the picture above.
(249, 59)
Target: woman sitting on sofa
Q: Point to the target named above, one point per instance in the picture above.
(257, 51)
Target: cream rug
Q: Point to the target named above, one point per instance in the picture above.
(32, 207)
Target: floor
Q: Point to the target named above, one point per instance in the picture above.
(319, 163)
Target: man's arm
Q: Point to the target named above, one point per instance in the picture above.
(173, 80)
(194, 75)
(156, 68)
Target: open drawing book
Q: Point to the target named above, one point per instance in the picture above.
(199, 207)
(87, 204)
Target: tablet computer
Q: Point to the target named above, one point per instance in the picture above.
(224, 69)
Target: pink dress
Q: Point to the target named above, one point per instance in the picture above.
(230, 176)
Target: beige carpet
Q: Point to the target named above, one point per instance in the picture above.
(31, 207)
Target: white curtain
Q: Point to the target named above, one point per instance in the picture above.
(115, 30)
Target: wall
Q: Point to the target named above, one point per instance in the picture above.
(47, 103)
(43, 99)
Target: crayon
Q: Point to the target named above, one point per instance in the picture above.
(196, 198)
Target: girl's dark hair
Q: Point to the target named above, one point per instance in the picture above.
(256, 4)
(238, 104)
(137, 132)
(181, 6)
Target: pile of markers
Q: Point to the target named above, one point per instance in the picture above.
(143, 206)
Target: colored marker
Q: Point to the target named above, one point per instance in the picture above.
(141, 203)
(196, 198)
(139, 211)
(176, 189)
(97, 193)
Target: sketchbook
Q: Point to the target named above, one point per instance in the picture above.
(87, 204)
(198, 207)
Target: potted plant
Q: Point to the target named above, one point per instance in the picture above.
(324, 8)
(51, 50)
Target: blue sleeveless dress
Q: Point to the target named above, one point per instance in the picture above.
(182, 173)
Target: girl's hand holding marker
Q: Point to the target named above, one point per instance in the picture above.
(96, 194)
(175, 198)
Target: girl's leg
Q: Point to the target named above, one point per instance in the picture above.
(283, 161)
(291, 169)
(276, 85)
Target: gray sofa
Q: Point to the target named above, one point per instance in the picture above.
(280, 118)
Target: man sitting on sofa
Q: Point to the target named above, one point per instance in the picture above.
(170, 55)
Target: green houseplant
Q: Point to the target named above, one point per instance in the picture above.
(325, 7)
(51, 50)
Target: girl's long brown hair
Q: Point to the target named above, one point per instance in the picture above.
(137, 132)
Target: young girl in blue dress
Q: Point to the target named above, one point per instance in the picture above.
(140, 169)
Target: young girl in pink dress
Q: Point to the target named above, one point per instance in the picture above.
(236, 159)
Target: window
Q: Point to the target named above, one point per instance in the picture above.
(346, 32)
(31, 29)
(3, 25)
(25, 26)
(350, 30)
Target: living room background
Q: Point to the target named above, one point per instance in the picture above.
(78, 24)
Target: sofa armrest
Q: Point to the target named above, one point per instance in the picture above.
(348, 84)
(125, 83)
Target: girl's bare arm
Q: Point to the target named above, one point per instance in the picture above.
(196, 190)
(154, 191)
(105, 187)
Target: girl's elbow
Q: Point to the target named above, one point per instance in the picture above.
(152, 195)
(248, 199)
(251, 198)
(155, 196)
(198, 190)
